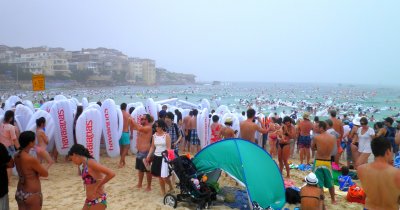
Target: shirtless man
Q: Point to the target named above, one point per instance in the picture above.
(144, 136)
(194, 138)
(324, 144)
(379, 179)
(124, 142)
(186, 129)
(304, 128)
(248, 127)
(338, 127)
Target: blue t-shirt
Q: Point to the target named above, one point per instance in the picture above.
(345, 183)
(397, 160)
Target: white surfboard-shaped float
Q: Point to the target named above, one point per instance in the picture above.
(10, 102)
(85, 102)
(205, 104)
(221, 110)
(49, 129)
(60, 98)
(136, 104)
(258, 135)
(151, 108)
(136, 115)
(47, 106)
(89, 130)
(22, 116)
(203, 127)
(112, 126)
(64, 121)
(29, 104)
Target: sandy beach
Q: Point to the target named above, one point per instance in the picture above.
(64, 189)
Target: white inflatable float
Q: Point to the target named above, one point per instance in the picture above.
(10, 102)
(47, 106)
(63, 119)
(205, 104)
(203, 127)
(89, 130)
(29, 104)
(151, 108)
(49, 129)
(112, 126)
(221, 110)
(22, 116)
(85, 102)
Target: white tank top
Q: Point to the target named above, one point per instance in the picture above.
(160, 142)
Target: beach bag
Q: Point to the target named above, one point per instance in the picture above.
(164, 169)
(356, 195)
(292, 196)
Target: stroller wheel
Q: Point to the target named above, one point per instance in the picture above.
(208, 205)
(170, 200)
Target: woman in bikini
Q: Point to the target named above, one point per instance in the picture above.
(272, 136)
(42, 142)
(287, 133)
(94, 176)
(29, 192)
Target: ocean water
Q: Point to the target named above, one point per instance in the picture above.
(283, 98)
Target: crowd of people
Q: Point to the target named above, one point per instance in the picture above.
(324, 140)
(329, 139)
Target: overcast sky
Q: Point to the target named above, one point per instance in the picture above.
(337, 41)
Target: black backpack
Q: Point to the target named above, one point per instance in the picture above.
(292, 196)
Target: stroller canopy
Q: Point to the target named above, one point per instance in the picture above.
(248, 163)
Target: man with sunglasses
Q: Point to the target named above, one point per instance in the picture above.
(144, 135)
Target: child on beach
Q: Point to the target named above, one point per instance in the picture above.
(344, 180)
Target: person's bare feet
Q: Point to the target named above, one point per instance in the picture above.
(148, 189)
(121, 165)
(138, 186)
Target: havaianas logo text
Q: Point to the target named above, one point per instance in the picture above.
(108, 127)
(89, 136)
(63, 129)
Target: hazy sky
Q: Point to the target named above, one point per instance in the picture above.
(355, 41)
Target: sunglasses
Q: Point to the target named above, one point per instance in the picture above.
(364, 123)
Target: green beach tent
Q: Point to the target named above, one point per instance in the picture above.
(249, 164)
